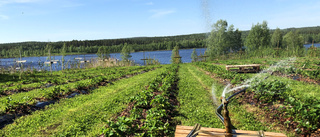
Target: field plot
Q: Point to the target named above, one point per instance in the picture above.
(289, 104)
(82, 115)
(153, 100)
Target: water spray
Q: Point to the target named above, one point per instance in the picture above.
(222, 111)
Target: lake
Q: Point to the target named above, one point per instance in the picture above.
(164, 57)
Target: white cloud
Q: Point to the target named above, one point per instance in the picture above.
(149, 3)
(161, 13)
(4, 17)
(4, 2)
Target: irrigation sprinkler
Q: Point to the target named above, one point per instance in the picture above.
(225, 119)
(222, 113)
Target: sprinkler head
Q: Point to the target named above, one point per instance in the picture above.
(224, 101)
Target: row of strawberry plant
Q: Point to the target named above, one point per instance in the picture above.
(54, 80)
(312, 74)
(38, 80)
(299, 113)
(152, 111)
(60, 79)
(222, 73)
(84, 114)
(28, 98)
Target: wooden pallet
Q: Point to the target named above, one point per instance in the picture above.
(244, 68)
(183, 131)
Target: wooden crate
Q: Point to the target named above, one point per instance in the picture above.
(183, 131)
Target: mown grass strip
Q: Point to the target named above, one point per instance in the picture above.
(242, 120)
(196, 105)
(83, 115)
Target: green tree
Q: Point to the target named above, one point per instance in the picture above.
(276, 38)
(63, 53)
(258, 37)
(194, 55)
(234, 39)
(223, 39)
(103, 52)
(294, 44)
(217, 42)
(175, 56)
(125, 52)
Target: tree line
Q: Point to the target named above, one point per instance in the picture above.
(222, 40)
(225, 41)
(92, 46)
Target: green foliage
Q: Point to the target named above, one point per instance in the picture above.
(125, 52)
(219, 71)
(222, 40)
(276, 38)
(175, 56)
(258, 38)
(103, 52)
(156, 106)
(293, 42)
(61, 90)
(304, 111)
(270, 91)
(83, 115)
(194, 55)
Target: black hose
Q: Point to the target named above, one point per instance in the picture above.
(219, 109)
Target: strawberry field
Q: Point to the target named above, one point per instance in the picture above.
(153, 100)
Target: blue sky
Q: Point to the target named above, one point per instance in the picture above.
(64, 20)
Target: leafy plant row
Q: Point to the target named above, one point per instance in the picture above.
(221, 72)
(152, 110)
(302, 114)
(14, 101)
(41, 78)
(312, 74)
(84, 114)
(62, 79)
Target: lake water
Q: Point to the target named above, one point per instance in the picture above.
(309, 45)
(164, 57)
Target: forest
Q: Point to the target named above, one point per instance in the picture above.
(201, 40)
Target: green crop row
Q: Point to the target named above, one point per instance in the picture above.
(222, 73)
(82, 115)
(11, 102)
(303, 111)
(38, 79)
(312, 74)
(196, 93)
(157, 107)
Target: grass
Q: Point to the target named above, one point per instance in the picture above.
(196, 105)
